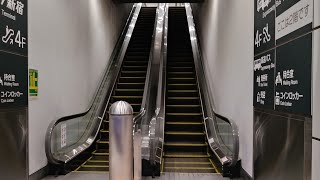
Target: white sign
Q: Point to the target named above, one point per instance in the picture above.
(262, 36)
(294, 18)
(261, 96)
(63, 135)
(262, 4)
(287, 78)
(14, 5)
(286, 98)
(259, 64)
(12, 37)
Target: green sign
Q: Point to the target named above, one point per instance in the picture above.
(33, 83)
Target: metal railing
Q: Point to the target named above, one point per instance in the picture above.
(158, 119)
(139, 122)
(147, 129)
(222, 133)
(82, 129)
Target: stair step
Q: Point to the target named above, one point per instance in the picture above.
(101, 152)
(186, 155)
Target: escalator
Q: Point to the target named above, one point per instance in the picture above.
(185, 145)
(129, 86)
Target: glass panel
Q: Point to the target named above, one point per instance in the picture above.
(224, 132)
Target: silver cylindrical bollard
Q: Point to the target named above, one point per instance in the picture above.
(120, 141)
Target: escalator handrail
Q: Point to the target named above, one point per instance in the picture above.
(157, 122)
(116, 59)
(137, 120)
(151, 93)
(207, 101)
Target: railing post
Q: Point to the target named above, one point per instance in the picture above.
(120, 141)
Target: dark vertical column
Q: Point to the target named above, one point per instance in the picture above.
(282, 88)
(13, 89)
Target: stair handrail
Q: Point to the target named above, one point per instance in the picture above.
(210, 116)
(96, 111)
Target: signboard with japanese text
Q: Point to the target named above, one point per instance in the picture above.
(13, 53)
(293, 18)
(264, 26)
(263, 80)
(283, 42)
(13, 26)
(33, 83)
(13, 80)
(293, 76)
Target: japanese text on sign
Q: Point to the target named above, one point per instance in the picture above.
(11, 37)
(294, 18)
(13, 5)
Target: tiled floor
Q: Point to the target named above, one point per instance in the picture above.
(166, 176)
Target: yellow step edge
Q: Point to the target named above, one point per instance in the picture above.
(100, 154)
(184, 133)
(95, 166)
(82, 164)
(98, 161)
(181, 72)
(133, 71)
(181, 84)
(184, 144)
(181, 78)
(187, 162)
(162, 161)
(182, 91)
(102, 142)
(104, 131)
(190, 168)
(215, 168)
